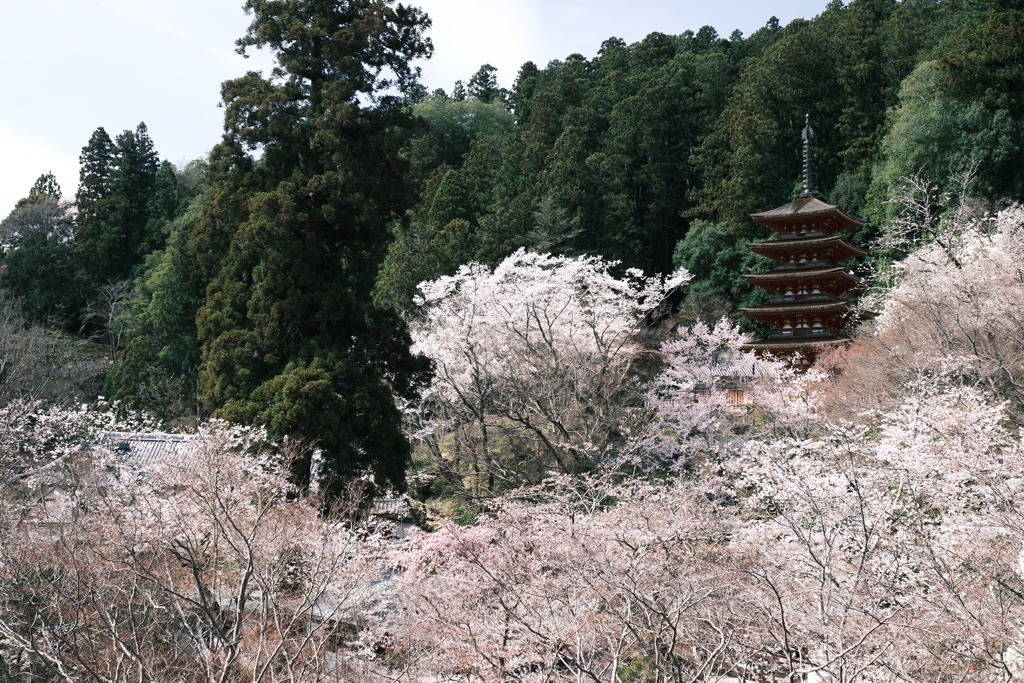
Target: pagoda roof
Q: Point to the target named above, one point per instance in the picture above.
(810, 274)
(797, 308)
(803, 207)
(786, 244)
(795, 344)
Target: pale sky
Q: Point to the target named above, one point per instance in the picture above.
(75, 65)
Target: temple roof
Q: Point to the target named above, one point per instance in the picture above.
(795, 274)
(785, 245)
(801, 206)
(796, 344)
(804, 207)
(139, 450)
(786, 308)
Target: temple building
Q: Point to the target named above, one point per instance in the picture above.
(809, 310)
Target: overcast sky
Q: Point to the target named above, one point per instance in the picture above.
(74, 65)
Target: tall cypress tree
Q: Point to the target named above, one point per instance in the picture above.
(291, 338)
(97, 161)
(117, 179)
(134, 179)
(46, 185)
(94, 240)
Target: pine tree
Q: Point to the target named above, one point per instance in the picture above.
(134, 178)
(97, 161)
(484, 85)
(984, 63)
(523, 90)
(94, 242)
(39, 273)
(985, 59)
(291, 338)
(117, 180)
(46, 185)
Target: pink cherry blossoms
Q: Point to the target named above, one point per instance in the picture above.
(533, 366)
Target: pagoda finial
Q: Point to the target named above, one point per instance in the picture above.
(808, 138)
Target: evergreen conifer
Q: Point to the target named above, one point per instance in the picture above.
(293, 241)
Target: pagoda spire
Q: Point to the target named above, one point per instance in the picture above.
(809, 139)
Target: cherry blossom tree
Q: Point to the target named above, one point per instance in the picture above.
(532, 364)
(560, 583)
(953, 314)
(40, 443)
(665, 531)
(208, 567)
(712, 398)
(888, 550)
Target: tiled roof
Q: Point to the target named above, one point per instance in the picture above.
(795, 344)
(800, 274)
(798, 207)
(802, 206)
(786, 244)
(729, 365)
(797, 307)
(140, 450)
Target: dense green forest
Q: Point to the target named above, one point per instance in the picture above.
(270, 283)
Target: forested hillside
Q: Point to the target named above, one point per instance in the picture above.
(223, 287)
(654, 153)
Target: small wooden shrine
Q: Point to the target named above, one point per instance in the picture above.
(809, 310)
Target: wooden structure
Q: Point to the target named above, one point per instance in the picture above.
(809, 310)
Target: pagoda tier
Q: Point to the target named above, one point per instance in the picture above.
(808, 311)
(818, 284)
(812, 253)
(808, 320)
(806, 218)
(802, 351)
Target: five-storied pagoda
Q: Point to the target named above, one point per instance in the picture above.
(809, 309)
